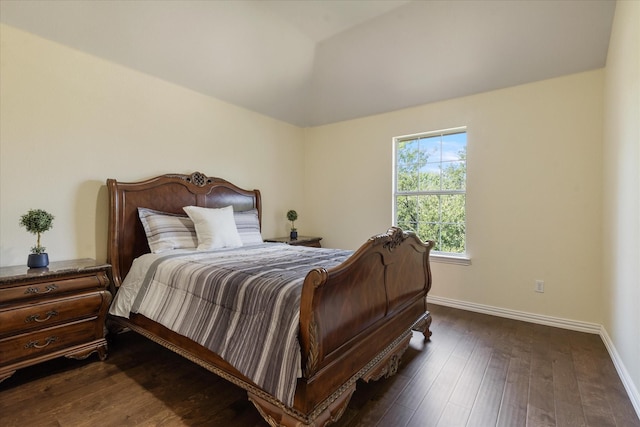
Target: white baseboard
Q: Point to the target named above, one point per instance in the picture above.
(631, 388)
(574, 325)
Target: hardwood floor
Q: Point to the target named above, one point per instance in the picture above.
(476, 371)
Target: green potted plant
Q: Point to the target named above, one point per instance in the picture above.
(37, 221)
(292, 216)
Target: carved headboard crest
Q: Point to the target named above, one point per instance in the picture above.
(196, 178)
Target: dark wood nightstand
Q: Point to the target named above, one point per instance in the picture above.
(313, 242)
(58, 310)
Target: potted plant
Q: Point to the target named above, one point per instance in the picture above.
(292, 216)
(37, 221)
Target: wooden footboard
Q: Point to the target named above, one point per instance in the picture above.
(351, 314)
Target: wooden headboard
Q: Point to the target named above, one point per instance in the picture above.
(166, 193)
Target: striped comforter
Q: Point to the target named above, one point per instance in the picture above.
(243, 304)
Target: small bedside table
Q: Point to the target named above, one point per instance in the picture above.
(50, 312)
(312, 242)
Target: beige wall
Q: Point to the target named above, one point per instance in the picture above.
(621, 154)
(534, 190)
(69, 121)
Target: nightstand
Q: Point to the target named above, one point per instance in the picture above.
(313, 242)
(49, 312)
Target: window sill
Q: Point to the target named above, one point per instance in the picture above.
(450, 259)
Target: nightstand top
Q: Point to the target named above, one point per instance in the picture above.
(19, 273)
(299, 241)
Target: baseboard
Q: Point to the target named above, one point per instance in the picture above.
(632, 390)
(574, 325)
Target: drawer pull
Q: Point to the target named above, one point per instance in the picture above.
(49, 288)
(36, 317)
(34, 344)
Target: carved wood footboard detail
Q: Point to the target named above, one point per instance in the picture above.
(388, 366)
(275, 416)
(384, 365)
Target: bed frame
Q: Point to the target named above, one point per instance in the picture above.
(356, 319)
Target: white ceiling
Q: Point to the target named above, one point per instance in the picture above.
(316, 62)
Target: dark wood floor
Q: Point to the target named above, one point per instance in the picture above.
(477, 371)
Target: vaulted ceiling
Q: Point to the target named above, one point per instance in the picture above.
(315, 62)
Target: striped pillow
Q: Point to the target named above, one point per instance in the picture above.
(166, 231)
(248, 226)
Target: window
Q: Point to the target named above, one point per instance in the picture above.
(430, 187)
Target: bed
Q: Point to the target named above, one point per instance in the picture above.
(355, 319)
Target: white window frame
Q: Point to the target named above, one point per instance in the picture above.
(438, 256)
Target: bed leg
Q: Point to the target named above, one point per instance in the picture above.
(114, 328)
(423, 325)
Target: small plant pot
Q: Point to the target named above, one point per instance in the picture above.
(293, 235)
(38, 260)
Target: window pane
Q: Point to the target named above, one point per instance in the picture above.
(453, 238)
(454, 175)
(452, 208)
(430, 149)
(429, 231)
(407, 211)
(407, 179)
(454, 147)
(408, 154)
(429, 208)
(408, 226)
(430, 177)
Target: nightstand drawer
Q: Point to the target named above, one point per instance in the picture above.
(41, 342)
(52, 287)
(51, 312)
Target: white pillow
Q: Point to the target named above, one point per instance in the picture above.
(215, 228)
